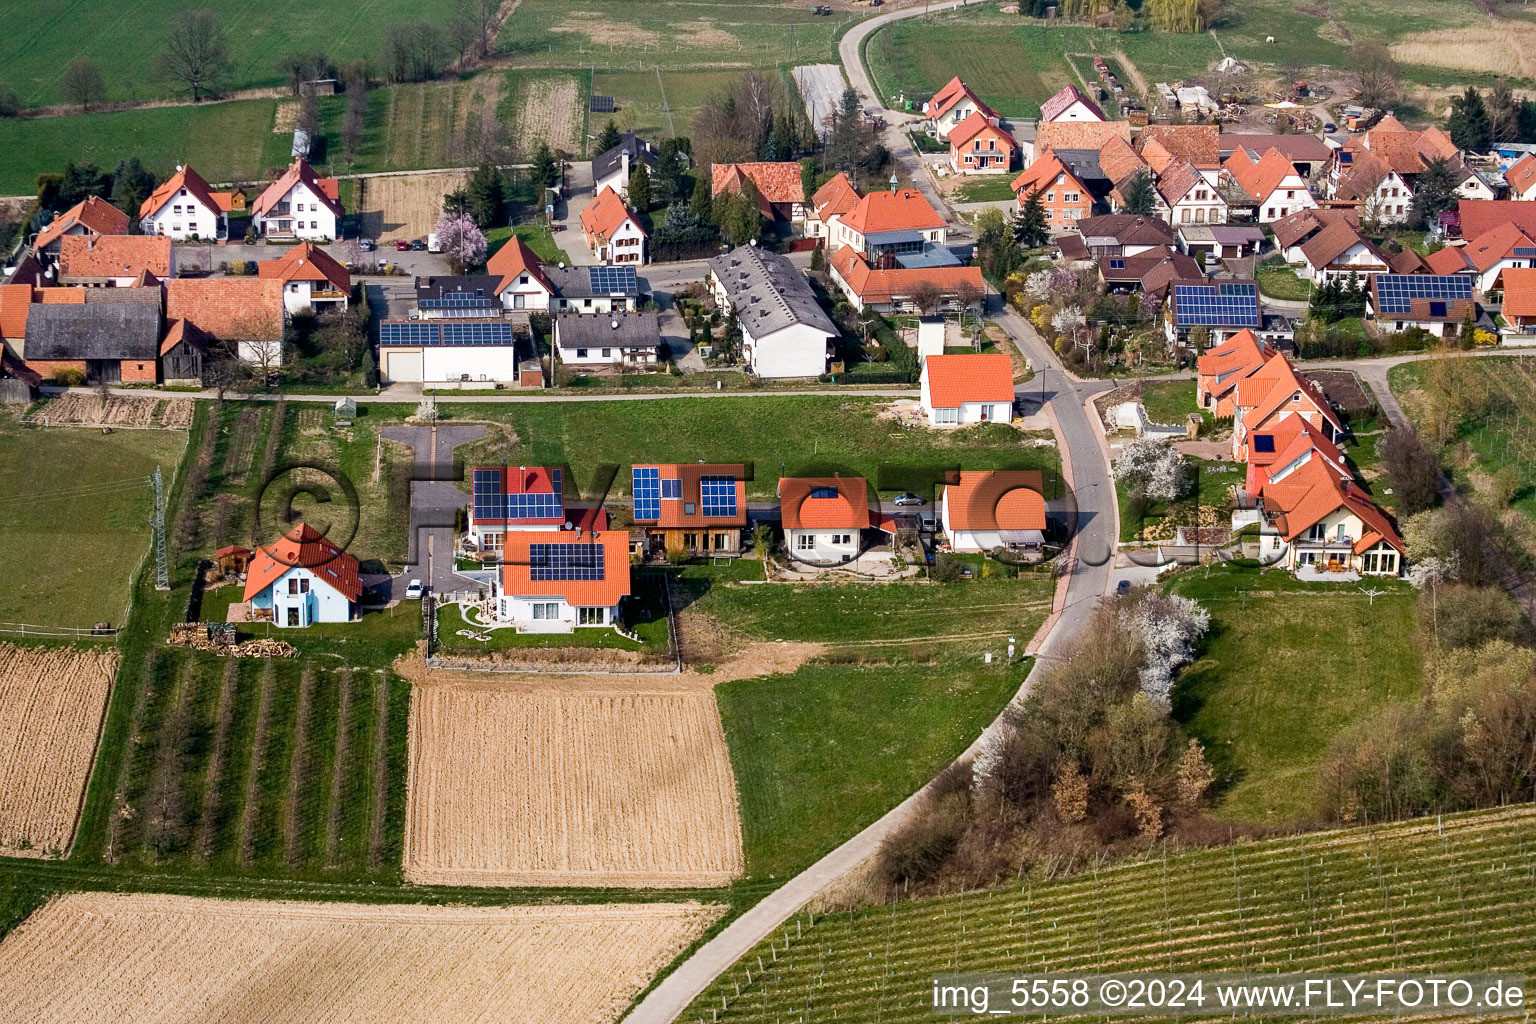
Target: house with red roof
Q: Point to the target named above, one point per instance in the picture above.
(1520, 299)
(951, 105)
(1377, 191)
(889, 223)
(1272, 393)
(825, 518)
(522, 282)
(303, 578)
(1220, 367)
(1280, 447)
(832, 201)
(967, 388)
(780, 187)
(1316, 519)
(1521, 179)
(557, 581)
(892, 289)
(981, 145)
(1487, 256)
(1065, 196)
(1479, 216)
(1077, 135)
(512, 499)
(244, 313)
(1069, 104)
(1185, 195)
(92, 217)
(185, 206)
(1338, 252)
(114, 261)
(989, 509)
(311, 279)
(693, 507)
(1271, 184)
(299, 204)
(612, 232)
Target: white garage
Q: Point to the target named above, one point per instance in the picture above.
(466, 354)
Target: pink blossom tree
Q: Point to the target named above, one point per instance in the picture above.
(461, 241)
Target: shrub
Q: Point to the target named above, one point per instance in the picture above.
(69, 376)
(916, 851)
(1413, 467)
(946, 569)
(1465, 616)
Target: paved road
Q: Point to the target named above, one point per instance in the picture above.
(1091, 572)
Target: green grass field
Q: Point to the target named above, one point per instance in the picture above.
(1160, 520)
(1402, 897)
(1279, 281)
(224, 141)
(823, 751)
(537, 236)
(1169, 401)
(649, 621)
(1286, 667)
(36, 43)
(990, 188)
(70, 541)
(638, 96)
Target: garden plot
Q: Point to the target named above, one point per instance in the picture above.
(549, 111)
(90, 957)
(51, 705)
(563, 783)
(392, 206)
(90, 410)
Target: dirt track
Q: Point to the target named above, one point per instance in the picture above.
(91, 957)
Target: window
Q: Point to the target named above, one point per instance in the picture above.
(1317, 531)
(946, 415)
(1050, 197)
(586, 303)
(607, 353)
(581, 353)
(1270, 214)
(842, 539)
(591, 616)
(805, 542)
(1200, 216)
(722, 541)
(1061, 179)
(546, 610)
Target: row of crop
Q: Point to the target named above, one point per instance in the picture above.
(1426, 894)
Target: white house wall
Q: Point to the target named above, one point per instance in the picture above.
(192, 219)
(795, 351)
(308, 216)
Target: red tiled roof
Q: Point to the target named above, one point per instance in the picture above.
(1479, 216)
(674, 513)
(1064, 98)
(1490, 247)
(1010, 499)
(1200, 144)
(777, 181)
(1363, 177)
(973, 126)
(1274, 384)
(1406, 262)
(298, 171)
(612, 546)
(114, 255)
(1079, 134)
(906, 210)
(526, 480)
(882, 286)
(186, 178)
(1041, 173)
(1522, 174)
(513, 260)
(1447, 261)
(65, 296)
(1334, 241)
(306, 262)
(1520, 292)
(1314, 491)
(1434, 143)
(304, 547)
(605, 214)
(953, 92)
(178, 331)
(1260, 178)
(93, 213)
(1295, 147)
(968, 377)
(228, 308)
(836, 197)
(15, 301)
(801, 508)
(1291, 437)
(1118, 160)
(1176, 179)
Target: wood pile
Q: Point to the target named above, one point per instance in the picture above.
(195, 635)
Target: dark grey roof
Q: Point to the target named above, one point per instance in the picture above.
(97, 330)
(615, 330)
(1084, 165)
(438, 287)
(768, 292)
(576, 282)
(638, 149)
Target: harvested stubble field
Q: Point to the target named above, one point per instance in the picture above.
(1502, 48)
(569, 782)
(1422, 895)
(407, 205)
(74, 409)
(121, 958)
(549, 110)
(51, 705)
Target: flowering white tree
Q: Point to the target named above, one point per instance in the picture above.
(460, 240)
(1038, 286)
(1069, 322)
(1169, 626)
(1155, 464)
(426, 410)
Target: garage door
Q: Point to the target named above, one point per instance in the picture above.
(403, 366)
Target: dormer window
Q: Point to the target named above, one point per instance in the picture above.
(1061, 179)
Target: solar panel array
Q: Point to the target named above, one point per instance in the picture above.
(395, 332)
(718, 495)
(476, 299)
(1395, 293)
(647, 487)
(488, 494)
(601, 105)
(492, 502)
(1525, 250)
(613, 280)
(1222, 304)
(572, 561)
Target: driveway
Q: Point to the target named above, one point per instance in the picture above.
(821, 86)
(435, 499)
(578, 194)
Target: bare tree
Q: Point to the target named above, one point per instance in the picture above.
(474, 28)
(968, 295)
(1377, 78)
(926, 296)
(195, 53)
(82, 85)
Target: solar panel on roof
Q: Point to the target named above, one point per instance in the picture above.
(570, 561)
(1525, 250)
(1395, 293)
(647, 487)
(612, 280)
(1221, 304)
(601, 105)
(488, 494)
(454, 300)
(718, 495)
(394, 332)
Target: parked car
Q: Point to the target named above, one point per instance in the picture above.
(366, 244)
(908, 498)
(1330, 128)
(432, 244)
(401, 245)
(418, 246)
(414, 590)
(1122, 588)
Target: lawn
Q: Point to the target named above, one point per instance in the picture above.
(537, 236)
(1286, 667)
(224, 141)
(823, 751)
(36, 43)
(71, 539)
(1160, 521)
(1279, 281)
(638, 96)
(1169, 401)
(991, 188)
(647, 616)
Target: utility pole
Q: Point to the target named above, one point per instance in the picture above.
(157, 523)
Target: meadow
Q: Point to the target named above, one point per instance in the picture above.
(1419, 895)
(79, 572)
